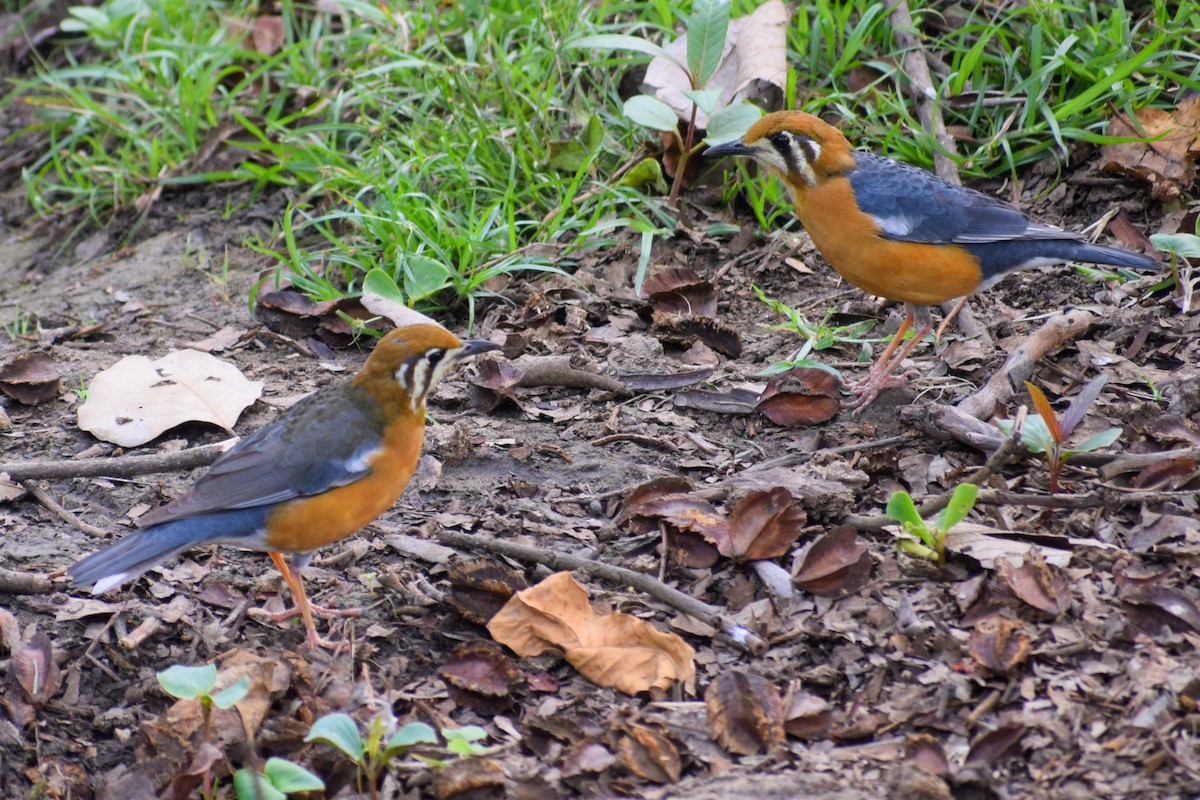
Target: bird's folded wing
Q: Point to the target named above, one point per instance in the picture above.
(913, 205)
(324, 441)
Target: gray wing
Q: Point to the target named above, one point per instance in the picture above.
(322, 442)
(914, 205)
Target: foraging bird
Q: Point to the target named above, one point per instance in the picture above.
(900, 232)
(324, 469)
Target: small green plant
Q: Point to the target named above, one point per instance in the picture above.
(818, 336)
(930, 537)
(278, 779)
(1048, 433)
(197, 683)
(1180, 246)
(372, 754)
(19, 326)
(707, 26)
(462, 742)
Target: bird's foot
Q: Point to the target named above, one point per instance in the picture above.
(317, 611)
(866, 390)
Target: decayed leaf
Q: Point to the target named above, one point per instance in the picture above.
(480, 588)
(649, 753)
(136, 399)
(762, 525)
(1168, 163)
(1039, 584)
(470, 779)
(799, 397)
(614, 650)
(809, 717)
(681, 291)
(683, 330)
(35, 670)
(836, 564)
(745, 712)
(926, 754)
(1155, 607)
(999, 645)
(495, 383)
(481, 677)
(30, 378)
(753, 64)
(993, 745)
(692, 528)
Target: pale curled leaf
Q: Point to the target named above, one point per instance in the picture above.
(137, 399)
(614, 650)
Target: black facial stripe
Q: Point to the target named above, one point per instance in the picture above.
(806, 145)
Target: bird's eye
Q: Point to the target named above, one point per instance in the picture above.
(780, 140)
(434, 357)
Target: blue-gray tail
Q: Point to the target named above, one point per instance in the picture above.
(1000, 258)
(141, 550)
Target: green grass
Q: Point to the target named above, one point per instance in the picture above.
(422, 144)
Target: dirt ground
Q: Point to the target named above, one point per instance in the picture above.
(970, 680)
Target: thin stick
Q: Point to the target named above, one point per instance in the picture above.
(13, 582)
(43, 496)
(120, 467)
(741, 637)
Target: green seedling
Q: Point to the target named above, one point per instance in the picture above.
(817, 336)
(372, 754)
(197, 683)
(1048, 433)
(278, 779)
(930, 536)
(462, 742)
(1180, 246)
(707, 26)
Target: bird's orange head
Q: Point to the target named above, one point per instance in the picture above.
(801, 149)
(411, 360)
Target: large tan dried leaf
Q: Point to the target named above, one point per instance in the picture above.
(614, 650)
(999, 646)
(753, 64)
(1039, 584)
(649, 753)
(136, 399)
(745, 712)
(1168, 162)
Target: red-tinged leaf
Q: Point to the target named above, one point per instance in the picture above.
(481, 668)
(208, 755)
(689, 514)
(689, 549)
(992, 746)
(745, 712)
(656, 489)
(836, 564)
(763, 525)
(799, 397)
(1046, 411)
(1079, 406)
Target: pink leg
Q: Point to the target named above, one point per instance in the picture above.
(882, 374)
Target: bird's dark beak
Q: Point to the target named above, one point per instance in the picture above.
(735, 148)
(473, 347)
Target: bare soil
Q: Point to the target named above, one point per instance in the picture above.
(1099, 699)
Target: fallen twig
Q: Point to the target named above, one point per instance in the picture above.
(738, 635)
(1021, 362)
(120, 467)
(43, 496)
(13, 582)
(557, 371)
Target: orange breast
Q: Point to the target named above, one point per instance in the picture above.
(298, 526)
(923, 274)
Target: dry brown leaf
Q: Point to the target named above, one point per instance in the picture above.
(136, 399)
(999, 645)
(745, 712)
(681, 292)
(753, 64)
(926, 754)
(470, 779)
(1153, 608)
(30, 378)
(480, 588)
(809, 717)
(799, 397)
(1039, 584)
(836, 564)
(1168, 163)
(762, 525)
(34, 669)
(649, 753)
(614, 650)
(480, 677)
(993, 745)
(495, 383)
